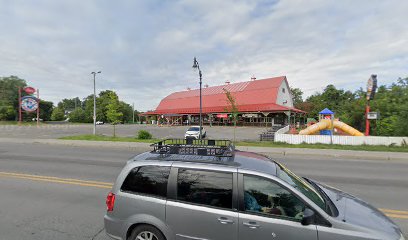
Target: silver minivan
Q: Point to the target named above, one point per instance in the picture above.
(209, 190)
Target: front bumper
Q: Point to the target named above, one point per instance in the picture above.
(191, 136)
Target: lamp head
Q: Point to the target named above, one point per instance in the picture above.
(195, 63)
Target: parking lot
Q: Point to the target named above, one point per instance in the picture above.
(127, 130)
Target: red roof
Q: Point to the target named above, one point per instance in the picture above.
(251, 96)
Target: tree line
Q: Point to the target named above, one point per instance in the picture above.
(390, 101)
(9, 101)
(109, 107)
(107, 102)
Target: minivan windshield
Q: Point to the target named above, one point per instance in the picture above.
(299, 183)
(194, 129)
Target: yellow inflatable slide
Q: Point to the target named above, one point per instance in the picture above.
(326, 124)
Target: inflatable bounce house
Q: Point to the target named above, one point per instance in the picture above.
(327, 123)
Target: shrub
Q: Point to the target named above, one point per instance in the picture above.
(143, 134)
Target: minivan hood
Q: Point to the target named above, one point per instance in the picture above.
(355, 211)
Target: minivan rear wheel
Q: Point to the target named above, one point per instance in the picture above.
(146, 232)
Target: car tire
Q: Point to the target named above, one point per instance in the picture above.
(145, 232)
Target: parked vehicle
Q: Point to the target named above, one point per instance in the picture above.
(99, 123)
(209, 190)
(194, 132)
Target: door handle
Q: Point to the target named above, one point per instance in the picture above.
(224, 220)
(251, 225)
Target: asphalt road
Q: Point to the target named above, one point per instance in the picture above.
(58, 192)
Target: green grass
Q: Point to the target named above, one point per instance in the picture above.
(378, 148)
(91, 137)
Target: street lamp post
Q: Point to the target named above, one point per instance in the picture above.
(197, 66)
(94, 110)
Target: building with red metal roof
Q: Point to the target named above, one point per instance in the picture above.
(260, 102)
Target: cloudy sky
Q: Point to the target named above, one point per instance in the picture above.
(145, 49)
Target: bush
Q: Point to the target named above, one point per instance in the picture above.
(57, 114)
(143, 134)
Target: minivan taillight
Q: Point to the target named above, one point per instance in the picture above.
(110, 202)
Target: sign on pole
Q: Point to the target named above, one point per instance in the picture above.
(29, 103)
(372, 115)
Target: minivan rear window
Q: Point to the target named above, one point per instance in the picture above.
(205, 188)
(150, 180)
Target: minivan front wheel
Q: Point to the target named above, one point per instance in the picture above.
(146, 232)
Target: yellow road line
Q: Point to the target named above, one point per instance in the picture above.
(388, 212)
(58, 180)
(396, 216)
(54, 178)
(394, 211)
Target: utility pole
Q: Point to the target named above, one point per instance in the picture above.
(94, 108)
(133, 108)
(196, 65)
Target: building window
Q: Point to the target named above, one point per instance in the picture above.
(283, 90)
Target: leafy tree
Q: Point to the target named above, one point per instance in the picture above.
(7, 112)
(113, 114)
(78, 115)
(57, 114)
(9, 96)
(390, 102)
(127, 111)
(232, 108)
(297, 95)
(69, 104)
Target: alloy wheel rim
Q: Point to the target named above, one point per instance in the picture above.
(146, 235)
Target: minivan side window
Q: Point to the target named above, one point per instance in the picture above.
(266, 197)
(150, 180)
(205, 188)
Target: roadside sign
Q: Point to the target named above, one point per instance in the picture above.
(222, 115)
(371, 87)
(29, 103)
(372, 115)
(29, 90)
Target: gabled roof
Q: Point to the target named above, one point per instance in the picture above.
(326, 111)
(251, 96)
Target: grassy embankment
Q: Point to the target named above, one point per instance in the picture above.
(253, 144)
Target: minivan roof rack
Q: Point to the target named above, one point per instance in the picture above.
(214, 150)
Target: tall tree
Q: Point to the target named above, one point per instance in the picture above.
(232, 108)
(113, 114)
(297, 96)
(9, 96)
(57, 114)
(78, 116)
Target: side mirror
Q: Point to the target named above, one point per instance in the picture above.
(308, 217)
